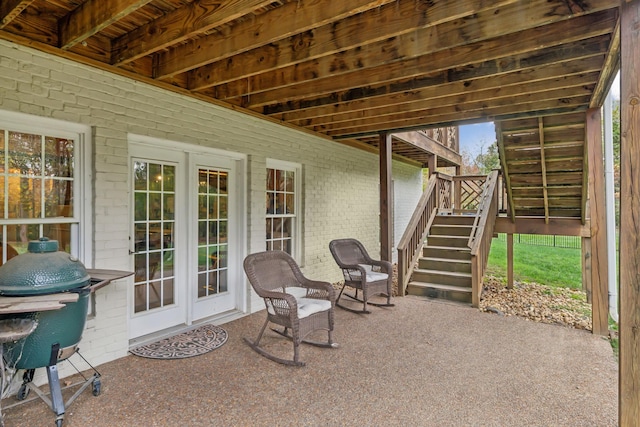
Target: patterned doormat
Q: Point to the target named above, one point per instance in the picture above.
(191, 343)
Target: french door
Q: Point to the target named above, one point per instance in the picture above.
(214, 234)
(185, 250)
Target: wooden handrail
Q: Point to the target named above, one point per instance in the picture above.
(414, 235)
(480, 240)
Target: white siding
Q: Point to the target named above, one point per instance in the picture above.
(340, 184)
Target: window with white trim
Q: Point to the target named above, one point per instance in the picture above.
(283, 207)
(41, 183)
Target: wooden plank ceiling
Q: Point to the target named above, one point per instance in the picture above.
(344, 69)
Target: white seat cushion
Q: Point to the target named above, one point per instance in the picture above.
(372, 276)
(306, 306)
(309, 306)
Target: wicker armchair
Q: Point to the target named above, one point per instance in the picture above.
(362, 273)
(292, 301)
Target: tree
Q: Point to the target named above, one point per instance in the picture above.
(489, 160)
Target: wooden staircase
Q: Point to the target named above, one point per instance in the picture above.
(444, 269)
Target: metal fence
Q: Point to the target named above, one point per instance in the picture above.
(571, 242)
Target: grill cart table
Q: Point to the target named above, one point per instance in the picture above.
(52, 289)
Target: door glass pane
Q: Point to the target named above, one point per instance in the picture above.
(154, 221)
(212, 231)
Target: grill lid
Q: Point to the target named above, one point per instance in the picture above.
(42, 270)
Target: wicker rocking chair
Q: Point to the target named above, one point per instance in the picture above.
(362, 273)
(292, 301)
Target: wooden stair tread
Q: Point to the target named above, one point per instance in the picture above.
(444, 273)
(448, 248)
(440, 286)
(453, 260)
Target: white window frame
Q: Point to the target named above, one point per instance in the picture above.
(81, 239)
(296, 168)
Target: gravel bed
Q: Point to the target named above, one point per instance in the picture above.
(537, 302)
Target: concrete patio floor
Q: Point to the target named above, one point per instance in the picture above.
(421, 363)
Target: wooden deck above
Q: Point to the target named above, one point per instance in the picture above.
(346, 70)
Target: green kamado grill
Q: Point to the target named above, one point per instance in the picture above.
(45, 270)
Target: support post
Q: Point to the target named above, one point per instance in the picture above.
(629, 374)
(432, 164)
(509, 260)
(586, 267)
(385, 198)
(599, 267)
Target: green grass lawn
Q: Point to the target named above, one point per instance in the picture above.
(546, 265)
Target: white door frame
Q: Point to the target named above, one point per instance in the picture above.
(190, 153)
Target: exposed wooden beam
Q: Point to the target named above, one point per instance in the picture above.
(570, 85)
(285, 22)
(10, 9)
(409, 76)
(543, 167)
(398, 58)
(629, 374)
(611, 66)
(435, 116)
(423, 143)
(403, 20)
(435, 93)
(557, 226)
(91, 17)
(177, 26)
(453, 107)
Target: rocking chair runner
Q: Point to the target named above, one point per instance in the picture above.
(292, 301)
(362, 272)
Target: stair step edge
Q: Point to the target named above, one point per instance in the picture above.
(445, 273)
(440, 286)
(457, 261)
(457, 248)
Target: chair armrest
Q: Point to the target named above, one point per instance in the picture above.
(282, 303)
(319, 289)
(385, 265)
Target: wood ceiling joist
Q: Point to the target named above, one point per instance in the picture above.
(286, 21)
(179, 25)
(409, 25)
(10, 9)
(447, 115)
(530, 52)
(425, 88)
(91, 17)
(449, 107)
(495, 54)
(574, 85)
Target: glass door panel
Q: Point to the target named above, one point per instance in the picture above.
(212, 231)
(213, 272)
(154, 196)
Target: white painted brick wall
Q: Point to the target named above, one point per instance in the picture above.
(340, 186)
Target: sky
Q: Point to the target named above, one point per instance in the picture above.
(476, 137)
(473, 138)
